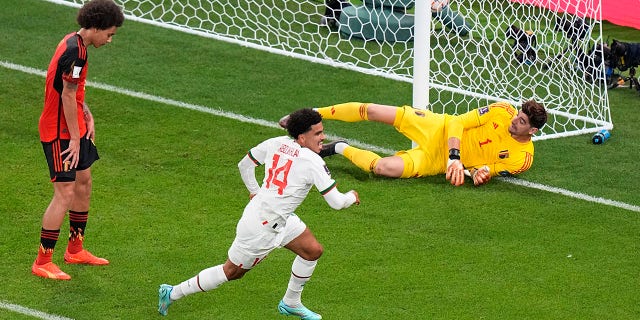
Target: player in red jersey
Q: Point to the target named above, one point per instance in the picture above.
(67, 132)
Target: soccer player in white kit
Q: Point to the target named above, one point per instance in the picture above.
(292, 167)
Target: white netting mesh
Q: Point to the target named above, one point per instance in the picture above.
(473, 59)
(547, 56)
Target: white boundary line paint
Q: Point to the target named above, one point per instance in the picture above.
(270, 124)
(30, 312)
(571, 194)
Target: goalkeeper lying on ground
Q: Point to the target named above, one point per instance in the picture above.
(485, 142)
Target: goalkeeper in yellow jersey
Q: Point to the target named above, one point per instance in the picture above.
(484, 142)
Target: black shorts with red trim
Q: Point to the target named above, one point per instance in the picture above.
(59, 170)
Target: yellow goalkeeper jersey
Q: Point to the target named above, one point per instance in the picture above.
(486, 140)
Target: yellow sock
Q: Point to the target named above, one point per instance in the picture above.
(349, 112)
(363, 159)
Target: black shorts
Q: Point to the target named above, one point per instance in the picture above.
(59, 170)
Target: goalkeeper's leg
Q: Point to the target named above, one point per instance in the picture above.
(368, 161)
(358, 111)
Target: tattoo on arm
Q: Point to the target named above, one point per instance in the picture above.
(85, 109)
(71, 86)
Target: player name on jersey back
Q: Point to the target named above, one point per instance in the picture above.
(288, 150)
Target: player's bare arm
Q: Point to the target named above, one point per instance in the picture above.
(70, 114)
(88, 118)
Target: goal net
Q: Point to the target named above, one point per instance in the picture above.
(480, 51)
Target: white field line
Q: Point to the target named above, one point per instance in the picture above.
(30, 312)
(266, 123)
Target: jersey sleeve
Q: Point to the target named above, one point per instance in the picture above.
(478, 117)
(258, 154)
(72, 62)
(457, 124)
(321, 175)
(499, 110)
(247, 169)
(338, 200)
(328, 187)
(516, 164)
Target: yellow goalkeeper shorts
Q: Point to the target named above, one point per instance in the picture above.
(427, 130)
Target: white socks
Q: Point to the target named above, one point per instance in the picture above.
(301, 271)
(207, 279)
(211, 278)
(340, 146)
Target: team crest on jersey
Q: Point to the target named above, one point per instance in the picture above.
(326, 169)
(483, 110)
(503, 154)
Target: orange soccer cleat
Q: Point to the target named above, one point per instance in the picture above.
(84, 257)
(49, 270)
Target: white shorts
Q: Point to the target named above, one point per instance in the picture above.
(255, 239)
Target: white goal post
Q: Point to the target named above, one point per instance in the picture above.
(481, 51)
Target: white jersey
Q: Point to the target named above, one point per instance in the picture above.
(290, 172)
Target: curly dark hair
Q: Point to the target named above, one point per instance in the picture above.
(536, 113)
(100, 14)
(300, 121)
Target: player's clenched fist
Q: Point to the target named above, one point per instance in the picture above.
(355, 193)
(481, 176)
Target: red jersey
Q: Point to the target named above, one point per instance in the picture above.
(69, 63)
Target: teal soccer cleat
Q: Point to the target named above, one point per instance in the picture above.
(164, 298)
(301, 311)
